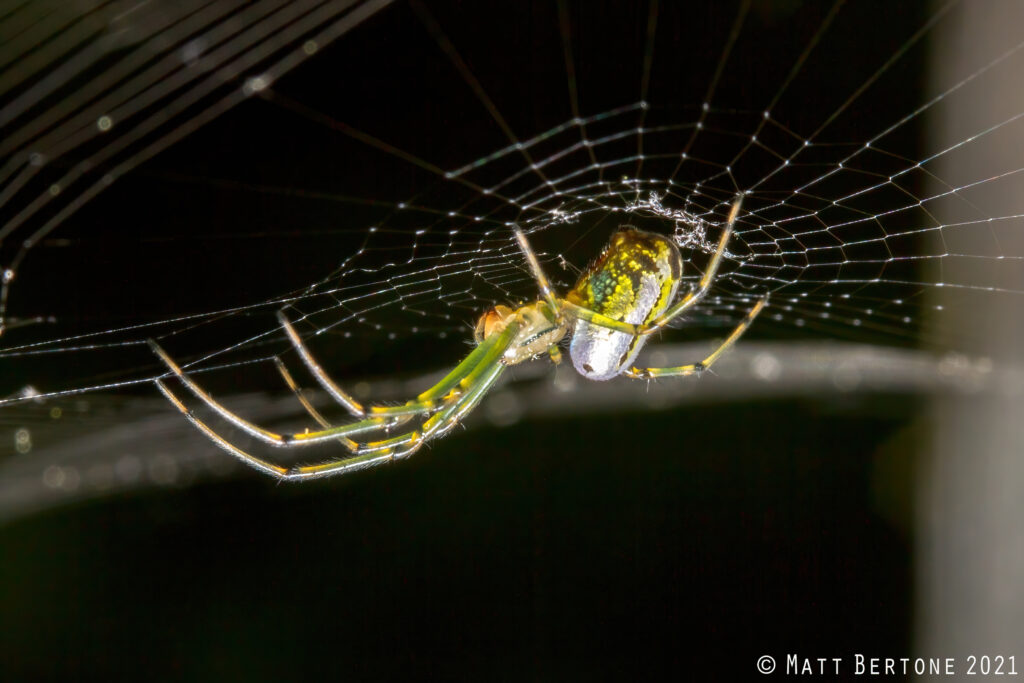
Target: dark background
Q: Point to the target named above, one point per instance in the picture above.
(682, 543)
(651, 543)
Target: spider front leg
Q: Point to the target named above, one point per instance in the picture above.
(403, 445)
(315, 414)
(697, 368)
(276, 471)
(273, 438)
(558, 305)
(314, 368)
(423, 403)
(462, 390)
(301, 395)
(448, 389)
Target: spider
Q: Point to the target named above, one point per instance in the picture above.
(623, 297)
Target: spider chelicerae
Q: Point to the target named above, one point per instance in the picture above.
(623, 297)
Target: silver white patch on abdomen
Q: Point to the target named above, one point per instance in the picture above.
(599, 353)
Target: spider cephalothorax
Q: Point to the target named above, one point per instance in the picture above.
(539, 330)
(626, 294)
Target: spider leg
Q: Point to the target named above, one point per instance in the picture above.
(674, 311)
(458, 380)
(404, 445)
(555, 353)
(697, 294)
(425, 402)
(299, 394)
(347, 465)
(538, 272)
(368, 454)
(441, 423)
(314, 368)
(558, 304)
(313, 412)
(697, 368)
(267, 436)
(584, 313)
(453, 385)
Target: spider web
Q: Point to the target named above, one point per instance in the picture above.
(371, 192)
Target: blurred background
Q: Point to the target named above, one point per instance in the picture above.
(845, 482)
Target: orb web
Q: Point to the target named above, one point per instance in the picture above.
(370, 194)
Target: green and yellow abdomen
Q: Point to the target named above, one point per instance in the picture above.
(634, 280)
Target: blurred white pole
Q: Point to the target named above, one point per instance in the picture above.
(970, 533)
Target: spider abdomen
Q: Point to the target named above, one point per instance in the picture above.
(634, 280)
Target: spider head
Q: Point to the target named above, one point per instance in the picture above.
(492, 322)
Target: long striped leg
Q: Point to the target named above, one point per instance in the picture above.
(697, 368)
(299, 394)
(538, 272)
(277, 471)
(316, 414)
(557, 304)
(404, 445)
(447, 390)
(368, 454)
(314, 368)
(476, 383)
(694, 296)
(273, 438)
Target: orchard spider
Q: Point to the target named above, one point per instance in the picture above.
(619, 300)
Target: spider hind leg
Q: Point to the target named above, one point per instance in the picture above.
(698, 368)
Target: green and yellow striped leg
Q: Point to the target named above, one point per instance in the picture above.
(538, 273)
(404, 445)
(366, 454)
(458, 381)
(559, 305)
(314, 368)
(273, 438)
(584, 313)
(316, 414)
(285, 473)
(697, 368)
(468, 393)
(301, 395)
(555, 353)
